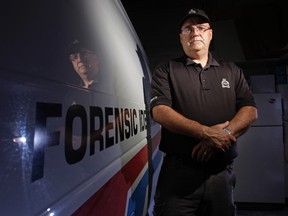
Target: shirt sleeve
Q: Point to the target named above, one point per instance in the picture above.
(160, 86)
(243, 91)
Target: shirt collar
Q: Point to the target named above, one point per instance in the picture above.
(211, 61)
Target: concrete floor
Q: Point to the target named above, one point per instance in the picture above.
(262, 210)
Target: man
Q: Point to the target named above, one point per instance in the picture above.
(85, 62)
(203, 105)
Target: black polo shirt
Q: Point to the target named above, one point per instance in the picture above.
(209, 95)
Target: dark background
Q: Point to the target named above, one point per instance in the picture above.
(261, 30)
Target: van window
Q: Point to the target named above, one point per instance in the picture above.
(48, 39)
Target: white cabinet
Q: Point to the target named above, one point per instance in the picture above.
(259, 167)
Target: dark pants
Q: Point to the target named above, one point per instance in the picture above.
(188, 188)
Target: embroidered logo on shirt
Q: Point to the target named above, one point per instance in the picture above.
(225, 83)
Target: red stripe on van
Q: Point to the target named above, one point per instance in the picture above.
(110, 200)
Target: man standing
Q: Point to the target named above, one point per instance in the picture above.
(203, 105)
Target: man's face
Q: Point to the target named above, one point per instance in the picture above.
(85, 63)
(195, 35)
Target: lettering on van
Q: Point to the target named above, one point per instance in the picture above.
(114, 125)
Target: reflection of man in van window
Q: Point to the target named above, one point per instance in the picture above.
(85, 62)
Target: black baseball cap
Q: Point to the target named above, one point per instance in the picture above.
(195, 12)
(78, 45)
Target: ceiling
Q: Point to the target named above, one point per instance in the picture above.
(261, 25)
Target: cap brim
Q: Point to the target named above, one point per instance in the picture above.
(77, 46)
(205, 18)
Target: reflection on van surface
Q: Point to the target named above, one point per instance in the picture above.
(76, 134)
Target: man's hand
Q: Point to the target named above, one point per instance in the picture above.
(218, 138)
(204, 152)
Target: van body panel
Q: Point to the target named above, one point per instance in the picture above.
(67, 149)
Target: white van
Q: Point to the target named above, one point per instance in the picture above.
(76, 134)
